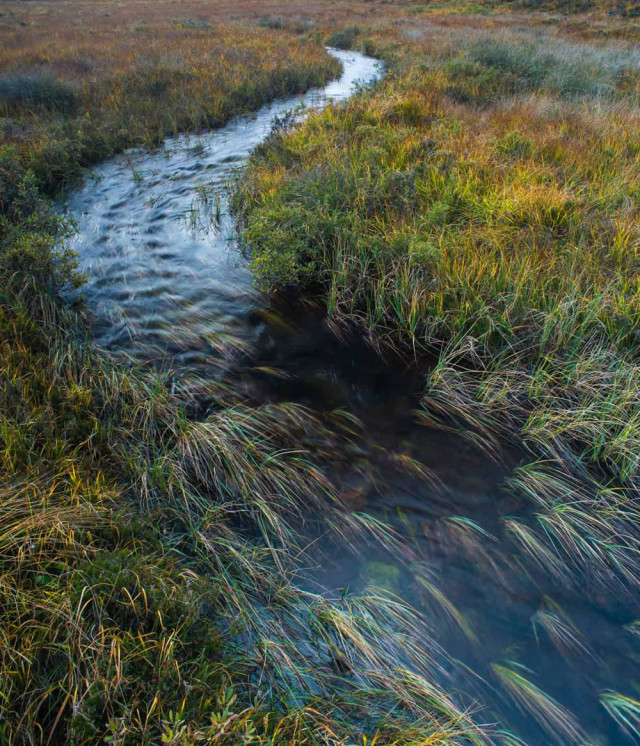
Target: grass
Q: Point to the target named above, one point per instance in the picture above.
(481, 205)
(562, 632)
(481, 202)
(123, 83)
(558, 723)
(479, 209)
(148, 563)
(36, 91)
(623, 709)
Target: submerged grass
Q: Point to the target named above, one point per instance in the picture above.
(623, 709)
(558, 722)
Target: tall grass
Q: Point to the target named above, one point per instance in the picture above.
(148, 563)
(482, 204)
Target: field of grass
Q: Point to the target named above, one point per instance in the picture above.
(91, 90)
(482, 203)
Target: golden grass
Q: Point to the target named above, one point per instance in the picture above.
(147, 558)
(87, 93)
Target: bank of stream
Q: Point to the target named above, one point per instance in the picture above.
(166, 283)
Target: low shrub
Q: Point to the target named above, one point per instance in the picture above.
(37, 91)
(344, 38)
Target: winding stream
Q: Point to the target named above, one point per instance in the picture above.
(157, 242)
(165, 282)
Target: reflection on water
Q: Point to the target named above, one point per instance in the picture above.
(165, 282)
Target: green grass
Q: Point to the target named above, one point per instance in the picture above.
(482, 203)
(148, 562)
(623, 709)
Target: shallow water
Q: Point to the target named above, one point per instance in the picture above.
(166, 283)
(157, 242)
(494, 592)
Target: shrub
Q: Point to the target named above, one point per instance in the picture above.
(41, 91)
(297, 25)
(344, 38)
(30, 233)
(522, 61)
(570, 70)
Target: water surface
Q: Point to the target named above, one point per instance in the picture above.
(157, 242)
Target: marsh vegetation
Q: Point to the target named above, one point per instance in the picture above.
(481, 204)
(474, 217)
(477, 212)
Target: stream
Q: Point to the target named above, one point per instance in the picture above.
(166, 283)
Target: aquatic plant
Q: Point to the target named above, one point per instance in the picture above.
(558, 723)
(623, 709)
(560, 629)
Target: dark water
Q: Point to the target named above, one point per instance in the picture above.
(478, 591)
(167, 283)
